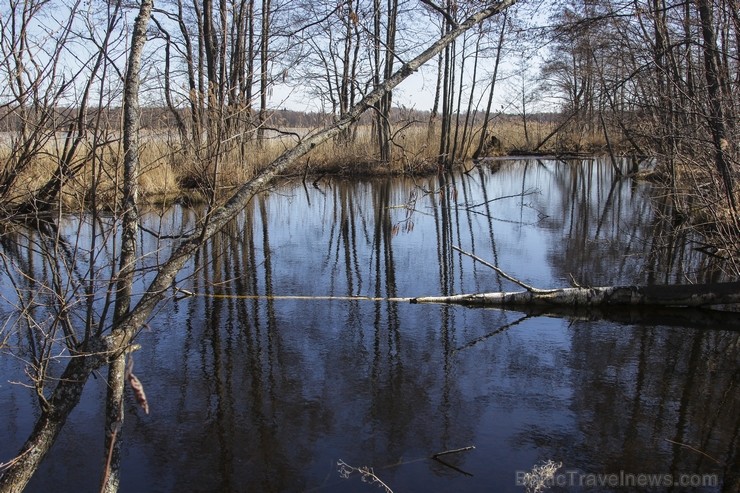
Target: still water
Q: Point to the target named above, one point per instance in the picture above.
(257, 393)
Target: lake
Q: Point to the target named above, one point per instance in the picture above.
(254, 385)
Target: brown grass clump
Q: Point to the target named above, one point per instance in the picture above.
(159, 181)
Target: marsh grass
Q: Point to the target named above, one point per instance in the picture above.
(171, 171)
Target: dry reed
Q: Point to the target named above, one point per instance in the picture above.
(171, 171)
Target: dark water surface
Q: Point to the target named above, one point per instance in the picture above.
(256, 394)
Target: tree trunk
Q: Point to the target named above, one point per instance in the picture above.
(264, 73)
(691, 295)
(67, 393)
(114, 413)
(455, 135)
(127, 260)
(435, 106)
(467, 135)
(487, 118)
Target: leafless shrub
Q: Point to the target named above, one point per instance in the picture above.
(541, 476)
(367, 473)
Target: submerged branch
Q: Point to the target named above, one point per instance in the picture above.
(453, 451)
(502, 273)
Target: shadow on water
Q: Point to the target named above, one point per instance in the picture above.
(252, 393)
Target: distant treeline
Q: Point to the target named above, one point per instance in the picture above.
(162, 118)
(657, 80)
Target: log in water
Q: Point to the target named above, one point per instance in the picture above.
(690, 295)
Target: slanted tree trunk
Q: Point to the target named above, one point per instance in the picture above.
(95, 352)
(494, 77)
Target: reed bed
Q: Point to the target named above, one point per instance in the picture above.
(172, 170)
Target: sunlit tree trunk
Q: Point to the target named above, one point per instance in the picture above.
(386, 103)
(458, 107)
(384, 45)
(264, 71)
(127, 261)
(470, 113)
(435, 107)
(487, 117)
(192, 86)
(448, 83)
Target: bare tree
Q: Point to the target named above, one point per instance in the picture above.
(38, 86)
(658, 76)
(127, 257)
(483, 139)
(103, 346)
(716, 80)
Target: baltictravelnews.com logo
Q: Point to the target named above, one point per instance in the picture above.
(549, 474)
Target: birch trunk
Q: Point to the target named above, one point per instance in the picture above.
(127, 260)
(691, 295)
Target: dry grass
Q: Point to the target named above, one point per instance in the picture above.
(169, 172)
(699, 202)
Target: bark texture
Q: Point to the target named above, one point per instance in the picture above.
(691, 295)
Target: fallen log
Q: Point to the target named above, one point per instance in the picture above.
(668, 295)
(689, 295)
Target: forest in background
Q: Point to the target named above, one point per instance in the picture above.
(656, 79)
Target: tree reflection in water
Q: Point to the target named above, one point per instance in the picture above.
(254, 393)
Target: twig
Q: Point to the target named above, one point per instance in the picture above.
(445, 463)
(694, 449)
(440, 10)
(317, 180)
(186, 294)
(573, 281)
(503, 274)
(453, 451)
(5, 465)
(367, 473)
(161, 236)
(106, 475)
(529, 191)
